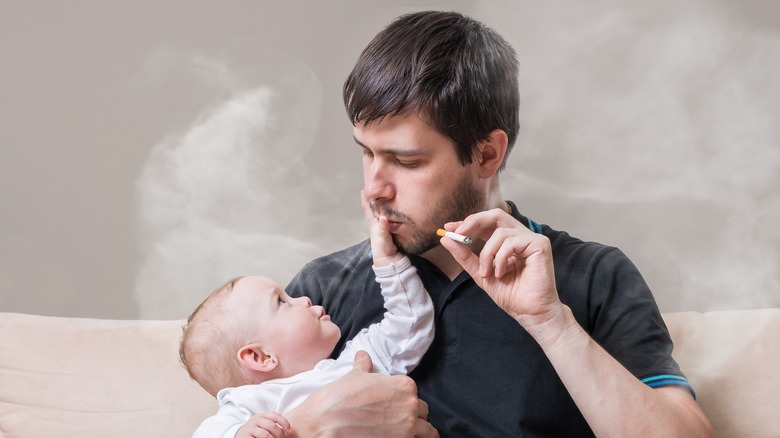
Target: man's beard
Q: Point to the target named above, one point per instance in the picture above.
(464, 200)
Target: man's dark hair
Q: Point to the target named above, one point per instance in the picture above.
(458, 74)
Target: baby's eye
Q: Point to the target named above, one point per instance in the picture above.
(282, 301)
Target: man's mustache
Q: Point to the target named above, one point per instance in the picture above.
(391, 214)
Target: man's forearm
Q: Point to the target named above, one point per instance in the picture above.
(612, 400)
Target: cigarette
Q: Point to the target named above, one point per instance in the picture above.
(454, 236)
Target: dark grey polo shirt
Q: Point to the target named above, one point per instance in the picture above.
(484, 376)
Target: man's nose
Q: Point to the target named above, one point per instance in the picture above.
(377, 182)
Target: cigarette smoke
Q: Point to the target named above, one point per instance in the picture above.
(650, 128)
(657, 132)
(231, 194)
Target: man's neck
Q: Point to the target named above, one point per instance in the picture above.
(443, 260)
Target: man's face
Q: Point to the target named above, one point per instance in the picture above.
(413, 176)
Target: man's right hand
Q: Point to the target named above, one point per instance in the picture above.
(363, 404)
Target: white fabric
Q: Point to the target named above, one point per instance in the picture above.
(396, 345)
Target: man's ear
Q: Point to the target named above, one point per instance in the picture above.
(492, 152)
(255, 358)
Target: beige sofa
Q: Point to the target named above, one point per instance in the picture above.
(75, 377)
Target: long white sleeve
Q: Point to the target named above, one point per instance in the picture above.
(224, 424)
(398, 342)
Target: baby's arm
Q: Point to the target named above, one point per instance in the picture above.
(397, 343)
(244, 411)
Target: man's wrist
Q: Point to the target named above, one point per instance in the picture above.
(553, 328)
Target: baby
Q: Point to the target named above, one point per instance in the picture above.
(261, 353)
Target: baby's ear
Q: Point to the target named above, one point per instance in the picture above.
(255, 358)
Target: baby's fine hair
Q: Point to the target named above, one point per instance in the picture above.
(209, 342)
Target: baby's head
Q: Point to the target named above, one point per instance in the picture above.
(249, 331)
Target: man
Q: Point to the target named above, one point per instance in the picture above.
(537, 333)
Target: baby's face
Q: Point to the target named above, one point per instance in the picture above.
(297, 332)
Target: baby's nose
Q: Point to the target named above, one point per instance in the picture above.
(306, 301)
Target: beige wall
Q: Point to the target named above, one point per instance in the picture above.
(152, 150)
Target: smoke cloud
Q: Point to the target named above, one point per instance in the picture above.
(656, 132)
(231, 194)
(650, 128)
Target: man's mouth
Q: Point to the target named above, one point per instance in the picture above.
(394, 226)
(395, 218)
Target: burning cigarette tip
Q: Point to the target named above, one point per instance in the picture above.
(454, 236)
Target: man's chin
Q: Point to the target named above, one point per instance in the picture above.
(417, 245)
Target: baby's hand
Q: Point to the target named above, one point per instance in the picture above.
(265, 425)
(382, 246)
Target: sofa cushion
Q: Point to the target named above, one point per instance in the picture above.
(77, 377)
(732, 359)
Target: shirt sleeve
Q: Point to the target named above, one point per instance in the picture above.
(225, 423)
(398, 342)
(626, 321)
(235, 410)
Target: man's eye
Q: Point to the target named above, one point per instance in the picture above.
(408, 164)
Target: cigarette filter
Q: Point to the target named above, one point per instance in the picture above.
(454, 236)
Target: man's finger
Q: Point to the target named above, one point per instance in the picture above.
(363, 362)
(463, 255)
(422, 410)
(423, 429)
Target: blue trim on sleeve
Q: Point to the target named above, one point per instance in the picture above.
(668, 379)
(533, 226)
